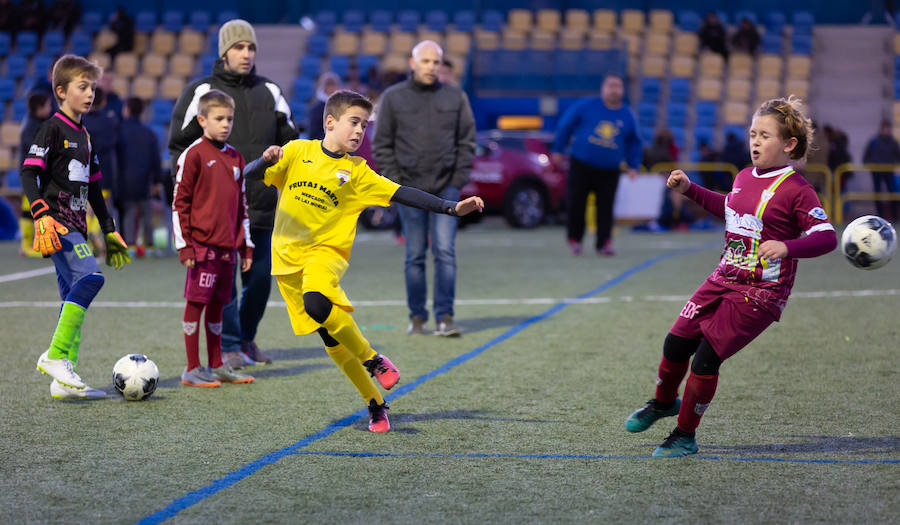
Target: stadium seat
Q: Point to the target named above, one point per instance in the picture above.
(317, 44)
(436, 20)
(92, 21)
(395, 63)
(738, 130)
(304, 88)
(5, 43)
(632, 42)
(737, 89)
(171, 87)
(736, 113)
(661, 20)
(549, 20)
(41, 65)
(740, 65)
(514, 40)
(704, 134)
(799, 87)
(689, 21)
(121, 86)
(492, 21)
(801, 44)
(464, 21)
(647, 114)
(543, 40)
(16, 66)
(26, 43)
(365, 63)
(310, 66)
(604, 20)
(600, 41)
(769, 66)
(686, 43)
(803, 23)
(325, 22)
(650, 89)
(54, 42)
(799, 66)
(771, 43)
(7, 89)
(683, 66)
(81, 43)
(705, 112)
(774, 22)
(10, 133)
(145, 22)
(427, 34)
(408, 21)
(653, 66)
(100, 58)
(678, 135)
(153, 65)
(381, 21)
(519, 20)
(200, 21)
(486, 39)
(458, 43)
(632, 20)
(709, 89)
(374, 43)
(677, 114)
(340, 65)
(353, 21)
(711, 64)
(126, 65)
(767, 88)
(657, 44)
(173, 20)
(19, 109)
(402, 43)
(162, 111)
(143, 87)
(191, 42)
(163, 42)
(105, 39)
(571, 39)
(344, 43)
(679, 90)
(577, 21)
(207, 63)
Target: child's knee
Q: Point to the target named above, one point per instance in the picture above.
(317, 306)
(85, 289)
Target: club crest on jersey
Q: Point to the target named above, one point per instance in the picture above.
(343, 176)
(237, 172)
(67, 144)
(818, 213)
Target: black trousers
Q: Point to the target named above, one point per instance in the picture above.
(583, 179)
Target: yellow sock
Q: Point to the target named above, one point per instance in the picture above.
(342, 327)
(355, 372)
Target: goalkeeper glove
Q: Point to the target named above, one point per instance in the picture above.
(46, 230)
(116, 250)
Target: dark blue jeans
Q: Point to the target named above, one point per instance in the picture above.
(418, 225)
(239, 322)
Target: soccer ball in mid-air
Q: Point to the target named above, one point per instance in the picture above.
(869, 242)
(135, 377)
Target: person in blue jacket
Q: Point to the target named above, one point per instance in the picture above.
(600, 133)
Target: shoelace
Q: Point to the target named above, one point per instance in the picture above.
(68, 366)
(375, 364)
(673, 437)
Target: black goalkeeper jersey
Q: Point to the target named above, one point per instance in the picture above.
(61, 168)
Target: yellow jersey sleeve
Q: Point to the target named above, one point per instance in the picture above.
(277, 173)
(372, 188)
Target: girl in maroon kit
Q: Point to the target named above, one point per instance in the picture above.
(773, 217)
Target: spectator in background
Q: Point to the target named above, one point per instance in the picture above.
(140, 175)
(603, 134)
(105, 138)
(123, 26)
(63, 15)
(446, 74)
(30, 16)
(715, 180)
(113, 101)
(735, 151)
(712, 35)
(884, 149)
(7, 16)
(673, 212)
(838, 153)
(39, 110)
(328, 83)
(746, 39)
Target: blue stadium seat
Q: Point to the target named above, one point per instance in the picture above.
(26, 43)
(647, 114)
(5, 43)
(225, 16)
(16, 66)
(464, 21)
(492, 21)
(381, 21)
(42, 65)
(354, 20)
(803, 22)
(162, 137)
(304, 88)
(703, 134)
(737, 130)
(677, 114)
(12, 180)
(436, 20)
(897, 89)
(325, 22)
(568, 70)
(92, 21)
(207, 62)
(340, 64)
(679, 90)
(299, 111)
(162, 111)
(365, 63)
(54, 42)
(19, 108)
(317, 44)
(82, 43)
(739, 16)
(647, 133)
(650, 88)
(689, 21)
(7, 89)
(677, 134)
(408, 21)
(706, 112)
(896, 66)
(723, 17)
(145, 22)
(771, 43)
(173, 20)
(537, 66)
(201, 20)
(597, 64)
(801, 44)
(774, 22)
(310, 66)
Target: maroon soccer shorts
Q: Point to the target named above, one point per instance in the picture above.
(209, 280)
(725, 317)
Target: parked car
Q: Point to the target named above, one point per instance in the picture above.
(515, 174)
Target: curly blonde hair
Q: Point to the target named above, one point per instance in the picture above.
(792, 122)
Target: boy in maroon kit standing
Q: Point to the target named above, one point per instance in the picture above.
(773, 217)
(210, 222)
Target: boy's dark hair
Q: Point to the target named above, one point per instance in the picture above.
(135, 106)
(36, 101)
(215, 99)
(70, 67)
(342, 100)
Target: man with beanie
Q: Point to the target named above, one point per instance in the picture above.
(261, 118)
(425, 138)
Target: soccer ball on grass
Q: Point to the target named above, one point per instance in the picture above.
(869, 242)
(135, 377)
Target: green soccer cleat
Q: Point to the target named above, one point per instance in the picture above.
(678, 444)
(642, 418)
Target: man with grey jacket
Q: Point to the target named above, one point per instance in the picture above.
(425, 138)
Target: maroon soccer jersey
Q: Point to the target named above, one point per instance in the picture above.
(779, 205)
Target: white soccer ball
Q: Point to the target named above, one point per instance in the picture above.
(135, 377)
(869, 242)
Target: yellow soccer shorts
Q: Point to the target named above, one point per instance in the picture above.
(320, 273)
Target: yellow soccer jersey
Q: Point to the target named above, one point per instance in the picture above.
(319, 202)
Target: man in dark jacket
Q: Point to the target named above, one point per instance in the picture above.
(425, 138)
(139, 174)
(104, 130)
(261, 118)
(884, 149)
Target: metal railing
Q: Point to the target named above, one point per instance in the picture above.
(841, 171)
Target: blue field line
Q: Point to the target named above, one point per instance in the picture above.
(194, 497)
(581, 456)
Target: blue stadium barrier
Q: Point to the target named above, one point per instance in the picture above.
(92, 21)
(689, 21)
(7, 89)
(772, 43)
(436, 21)
(537, 66)
(354, 20)
(492, 21)
(567, 68)
(679, 90)
(381, 21)
(42, 65)
(739, 16)
(145, 22)
(325, 22)
(26, 43)
(677, 114)
(774, 22)
(408, 21)
(19, 109)
(81, 43)
(464, 21)
(16, 66)
(310, 66)
(317, 44)
(650, 89)
(225, 16)
(201, 20)
(54, 42)
(173, 20)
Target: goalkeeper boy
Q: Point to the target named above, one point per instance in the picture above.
(60, 177)
(322, 191)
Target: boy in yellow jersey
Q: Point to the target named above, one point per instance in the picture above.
(322, 191)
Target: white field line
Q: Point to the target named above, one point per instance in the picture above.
(25, 275)
(465, 302)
